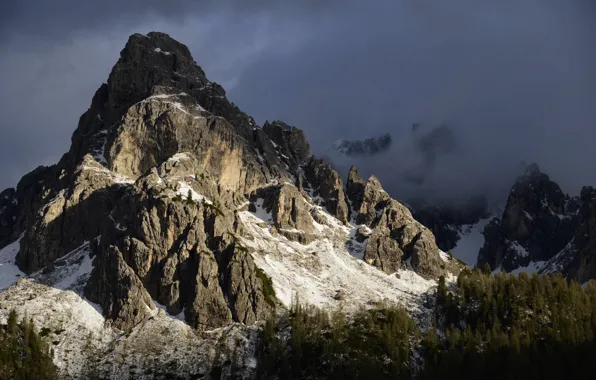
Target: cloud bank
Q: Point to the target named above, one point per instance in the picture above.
(514, 80)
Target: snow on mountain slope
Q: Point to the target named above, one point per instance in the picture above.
(79, 335)
(533, 267)
(9, 272)
(68, 321)
(327, 272)
(470, 242)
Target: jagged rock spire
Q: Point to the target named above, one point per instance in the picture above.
(537, 223)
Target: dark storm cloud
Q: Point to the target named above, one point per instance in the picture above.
(515, 79)
(61, 18)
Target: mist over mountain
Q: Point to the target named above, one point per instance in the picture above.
(436, 164)
(514, 81)
(367, 147)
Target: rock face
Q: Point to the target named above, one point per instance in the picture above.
(160, 173)
(538, 222)
(577, 260)
(583, 266)
(290, 141)
(355, 188)
(398, 241)
(327, 184)
(8, 213)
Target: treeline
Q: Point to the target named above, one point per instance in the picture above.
(484, 326)
(23, 355)
(512, 327)
(311, 344)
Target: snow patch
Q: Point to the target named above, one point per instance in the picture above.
(521, 251)
(163, 309)
(158, 50)
(532, 267)
(179, 157)
(9, 272)
(261, 213)
(114, 177)
(99, 153)
(186, 191)
(443, 256)
(470, 242)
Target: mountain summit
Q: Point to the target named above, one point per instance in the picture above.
(174, 215)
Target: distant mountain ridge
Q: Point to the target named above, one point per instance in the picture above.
(367, 147)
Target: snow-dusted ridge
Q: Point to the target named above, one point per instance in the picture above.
(329, 272)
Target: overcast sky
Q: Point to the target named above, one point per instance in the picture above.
(515, 78)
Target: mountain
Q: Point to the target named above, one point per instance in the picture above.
(543, 229)
(539, 229)
(175, 224)
(367, 147)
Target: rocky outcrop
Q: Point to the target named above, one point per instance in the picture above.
(290, 212)
(384, 252)
(537, 223)
(583, 266)
(398, 241)
(290, 141)
(578, 259)
(70, 216)
(367, 147)
(249, 290)
(154, 130)
(327, 185)
(207, 308)
(8, 213)
(115, 286)
(355, 188)
(158, 102)
(373, 196)
(425, 259)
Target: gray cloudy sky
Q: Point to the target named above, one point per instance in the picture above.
(515, 79)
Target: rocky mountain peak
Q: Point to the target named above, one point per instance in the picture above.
(290, 139)
(355, 187)
(148, 63)
(172, 203)
(537, 223)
